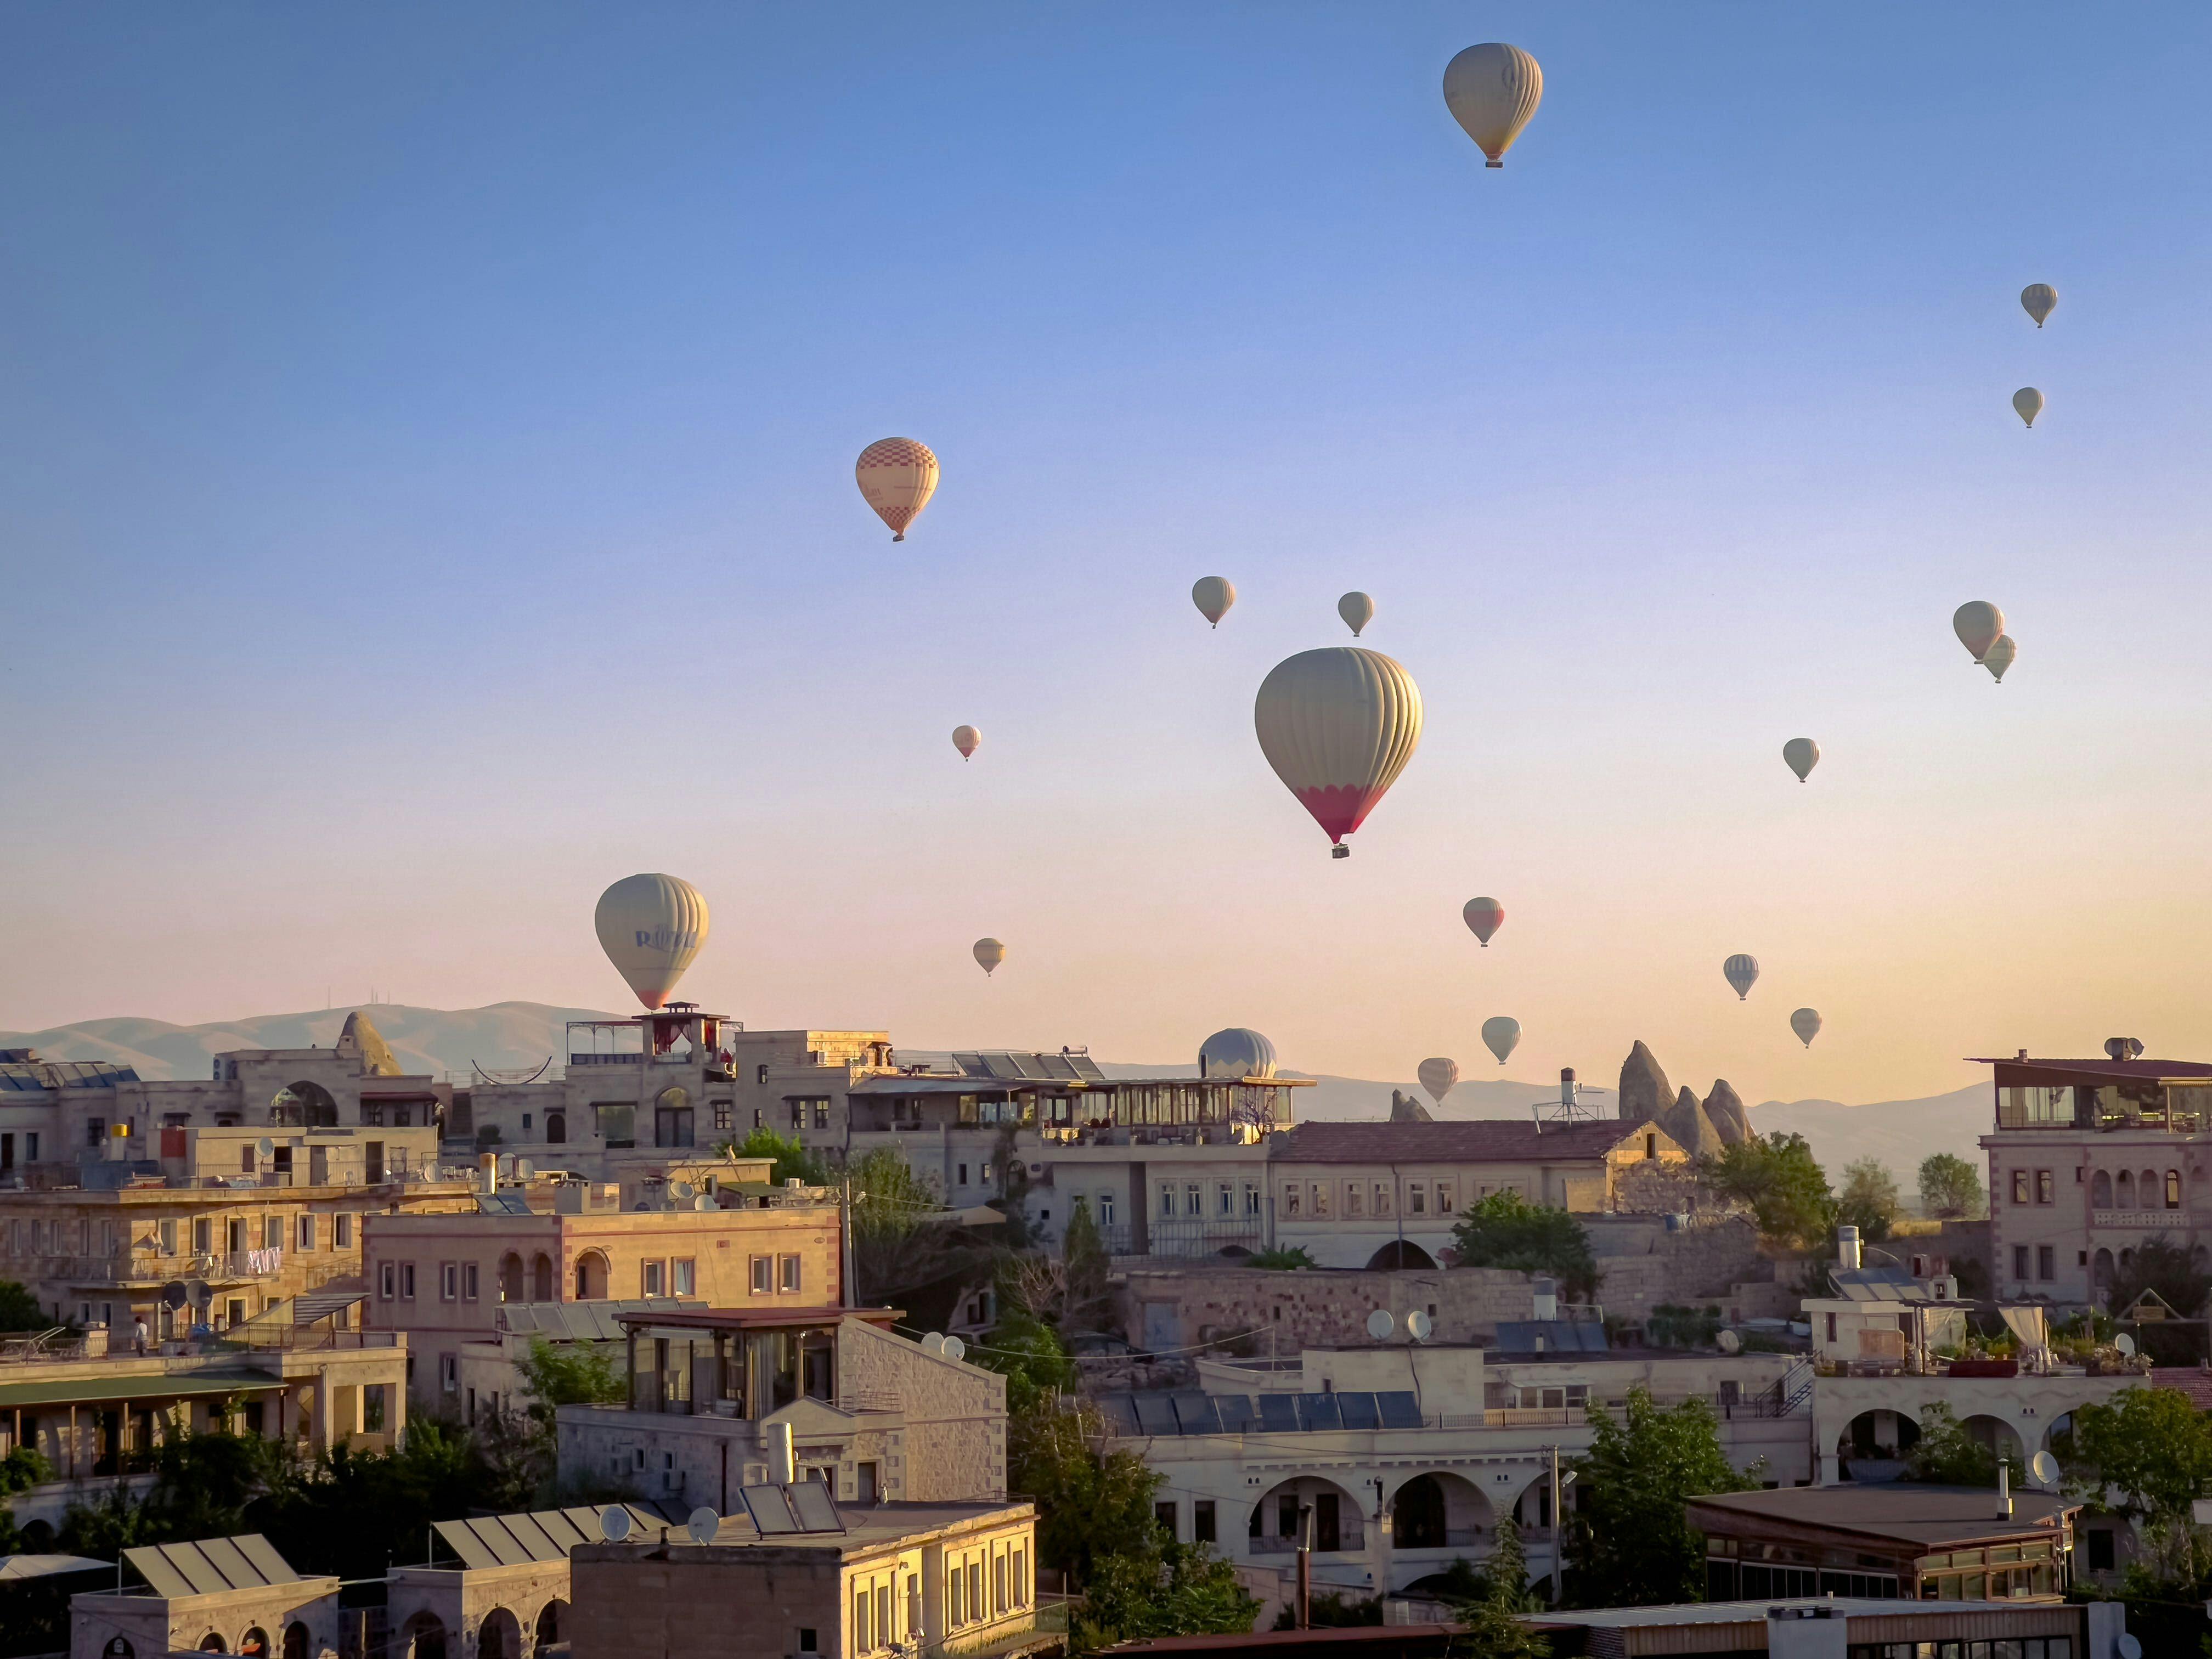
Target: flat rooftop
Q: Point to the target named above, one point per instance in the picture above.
(879, 1526)
(1743, 1613)
(1898, 1511)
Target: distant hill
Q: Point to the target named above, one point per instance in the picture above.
(508, 1034)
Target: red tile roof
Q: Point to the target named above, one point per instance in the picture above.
(2192, 1380)
(1465, 1140)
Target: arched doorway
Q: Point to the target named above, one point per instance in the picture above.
(304, 1106)
(591, 1276)
(1397, 1254)
(1438, 1510)
(510, 1277)
(295, 1641)
(549, 1618)
(2100, 1191)
(557, 1128)
(499, 1637)
(423, 1637)
(2101, 1269)
(212, 1643)
(1999, 1438)
(541, 1276)
(1281, 1514)
(254, 1644)
(2127, 1190)
(1875, 1444)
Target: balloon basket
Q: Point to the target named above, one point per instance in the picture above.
(1340, 852)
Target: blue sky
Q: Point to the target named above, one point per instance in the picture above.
(425, 496)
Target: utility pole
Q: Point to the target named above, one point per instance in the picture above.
(1558, 1566)
(1305, 1567)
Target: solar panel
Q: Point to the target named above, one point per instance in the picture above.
(1156, 1414)
(197, 1570)
(1359, 1411)
(770, 1511)
(1195, 1412)
(1236, 1413)
(816, 1509)
(1399, 1410)
(151, 1565)
(466, 1543)
(1086, 1068)
(535, 1544)
(1278, 1413)
(1319, 1411)
(971, 1065)
(237, 1571)
(502, 1203)
(556, 1526)
(586, 1520)
(1120, 1415)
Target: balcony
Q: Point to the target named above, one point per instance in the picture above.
(1188, 1240)
(2141, 1220)
(1349, 1539)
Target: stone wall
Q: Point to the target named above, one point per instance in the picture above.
(955, 1443)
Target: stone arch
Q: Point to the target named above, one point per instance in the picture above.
(213, 1642)
(2059, 1437)
(592, 1276)
(499, 1636)
(254, 1644)
(1338, 1518)
(551, 1618)
(423, 1637)
(1877, 1441)
(2101, 1268)
(1998, 1435)
(541, 1278)
(297, 1643)
(2147, 1192)
(2100, 1191)
(304, 1106)
(510, 1277)
(2125, 1190)
(557, 1128)
(1400, 1253)
(2173, 1189)
(1439, 1509)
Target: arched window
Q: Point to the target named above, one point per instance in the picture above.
(591, 1276)
(2127, 1190)
(510, 1277)
(557, 1128)
(2100, 1191)
(2173, 1189)
(304, 1106)
(212, 1643)
(2147, 1194)
(254, 1644)
(548, 1623)
(296, 1643)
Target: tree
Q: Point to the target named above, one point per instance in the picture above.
(1947, 1456)
(792, 1161)
(2150, 1448)
(1282, 1258)
(1951, 1188)
(1869, 1201)
(520, 1442)
(1030, 1355)
(1630, 1544)
(1491, 1622)
(1088, 1302)
(1170, 1590)
(1774, 1178)
(1506, 1230)
(19, 1309)
(1090, 1503)
(2166, 1268)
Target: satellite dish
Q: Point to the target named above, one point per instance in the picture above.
(934, 1343)
(703, 1525)
(1730, 1342)
(614, 1524)
(2125, 1343)
(2045, 1468)
(198, 1293)
(954, 1347)
(1419, 1325)
(266, 1146)
(2128, 1647)
(682, 1190)
(174, 1294)
(507, 1166)
(1380, 1324)
(523, 1169)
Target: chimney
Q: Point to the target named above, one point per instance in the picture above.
(782, 1464)
(488, 1172)
(1544, 1299)
(2004, 1491)
(1847, 1249)
(570, 1198)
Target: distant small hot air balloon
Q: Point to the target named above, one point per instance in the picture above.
(989, 953)
(897, 476)
(1806, 1022)
(1437, 1077)
(1501, 1035)
(1213, 595)
(2039, 299)
(1741, 972)
(1237, 1052)
(1978, 623)
(1337, 724)
(651, 927)
(966, 739)
(1484, 916)
(2027, 402)
(1492, 90)
(1801, 755)
(1999, 657)
(1357, 609)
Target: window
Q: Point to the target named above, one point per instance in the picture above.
(526, 1123)
(722, 1114)
(1416, 1197)
(1355, 1197)
(652, 1271)
(272, 1232)
(685, 1277)
(449, 1371)
(342, 1231)
(2173, 1189)
(1193, 1200)
(862, 1603)
(388, 1281)
(306, 1232)
(1224, 1199)
(1167, 1198)
(1317, 1192)
(1252, 1198)
(1289, 1200)
(95, 1131)
(204, 1236)
(1651, 1145)
(2043, 1194)
(2019, 1261)
(1446, 1196)
(762, 1274)
(2046, 1262)
(788, 1273)
(807, 1640)
(998, 1574)
(2020, 1186)
(449, 1281)
(468, 1281)
(617, 1121)
(168, 1238)
(1202, 1523)
(1832, 1328)
(2100, 1550)
(1105, 1209)
(407, 1281)
(1382, 1197)
(964, 1175)
(760, 1075)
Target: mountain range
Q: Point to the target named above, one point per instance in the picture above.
(450, 1043)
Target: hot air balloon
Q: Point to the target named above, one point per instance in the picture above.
(1999, 657)
(1801, 755)
(1337, 724)
(1238, 1052)
(989, 953)
(651, 927)
(1437, 1077)
(2029, 403)
(897, 478)
(2039, 300)
(1501, 1035)
(1213, 595)
(1742, 973)
(1806, 1022)
(1485, 916)
(966, 739)
(1978, 623)
(1357, 609)
(1492, 90)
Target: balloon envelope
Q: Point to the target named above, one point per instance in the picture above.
(966, 739)
(1437, 1077)
(1213, 595)
(1978, 623)
(1492, 90)
(651, 927)
(1741, 972)
(897, 476)
(1484, 916)
(2039, 300)
(1501, 1035)
(1237, 1052)
(1806, 1022)
(1357, 609)
(989, 953)
(1801, 755)
(2000, 655)
(1337, 724)
(2027, 402)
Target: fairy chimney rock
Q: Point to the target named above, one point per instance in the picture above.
(1645, 1093)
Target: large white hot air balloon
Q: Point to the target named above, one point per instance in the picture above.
(1213, 595)
(1484, 916)
(1806, 1022)
(2028, 404)
(897, 476)
(1238, 1052)
(2039, 300)
(966, 739)
(989, 953)
(2000, 655)
(651, 927)
(1501, 1035)
(1741, 972)
(1437, 1077)
(1492, 90)
(1358, 610)
(1978, 623)
(1801, 755)
(1337, 724)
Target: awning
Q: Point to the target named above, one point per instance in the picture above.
(78, 1391)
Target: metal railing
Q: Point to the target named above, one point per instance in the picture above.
(1348, 1538)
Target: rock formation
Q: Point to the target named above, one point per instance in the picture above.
(1404, 1109)
(1697, 1134)
(1644, 1089)
(1726, 1108)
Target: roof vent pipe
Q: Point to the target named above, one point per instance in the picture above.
(2004, 1490)
(488, 1172)
(782, 1464)
(1847, 1249)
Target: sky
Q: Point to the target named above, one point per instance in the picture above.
(426, 495)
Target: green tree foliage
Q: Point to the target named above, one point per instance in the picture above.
(1775, 1178)
(19, 1309)
(1333, 1610)
(2147, 1452)
(2165, 1267)
(520, 1443)
(1170, 1590)
(1282, 1258)
(1630, 1545)
(1090, 1503)
(1869, 1201)
(1030, 1356)
(1491, 1621)
(792, 1161)
(1669, 1325)
(1506, 1230)
(1951, 1188)
(904, 1239)
(1947, 1456)
(1088, 1303)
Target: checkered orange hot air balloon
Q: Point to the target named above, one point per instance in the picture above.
(1337, 724)
(897, 476)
